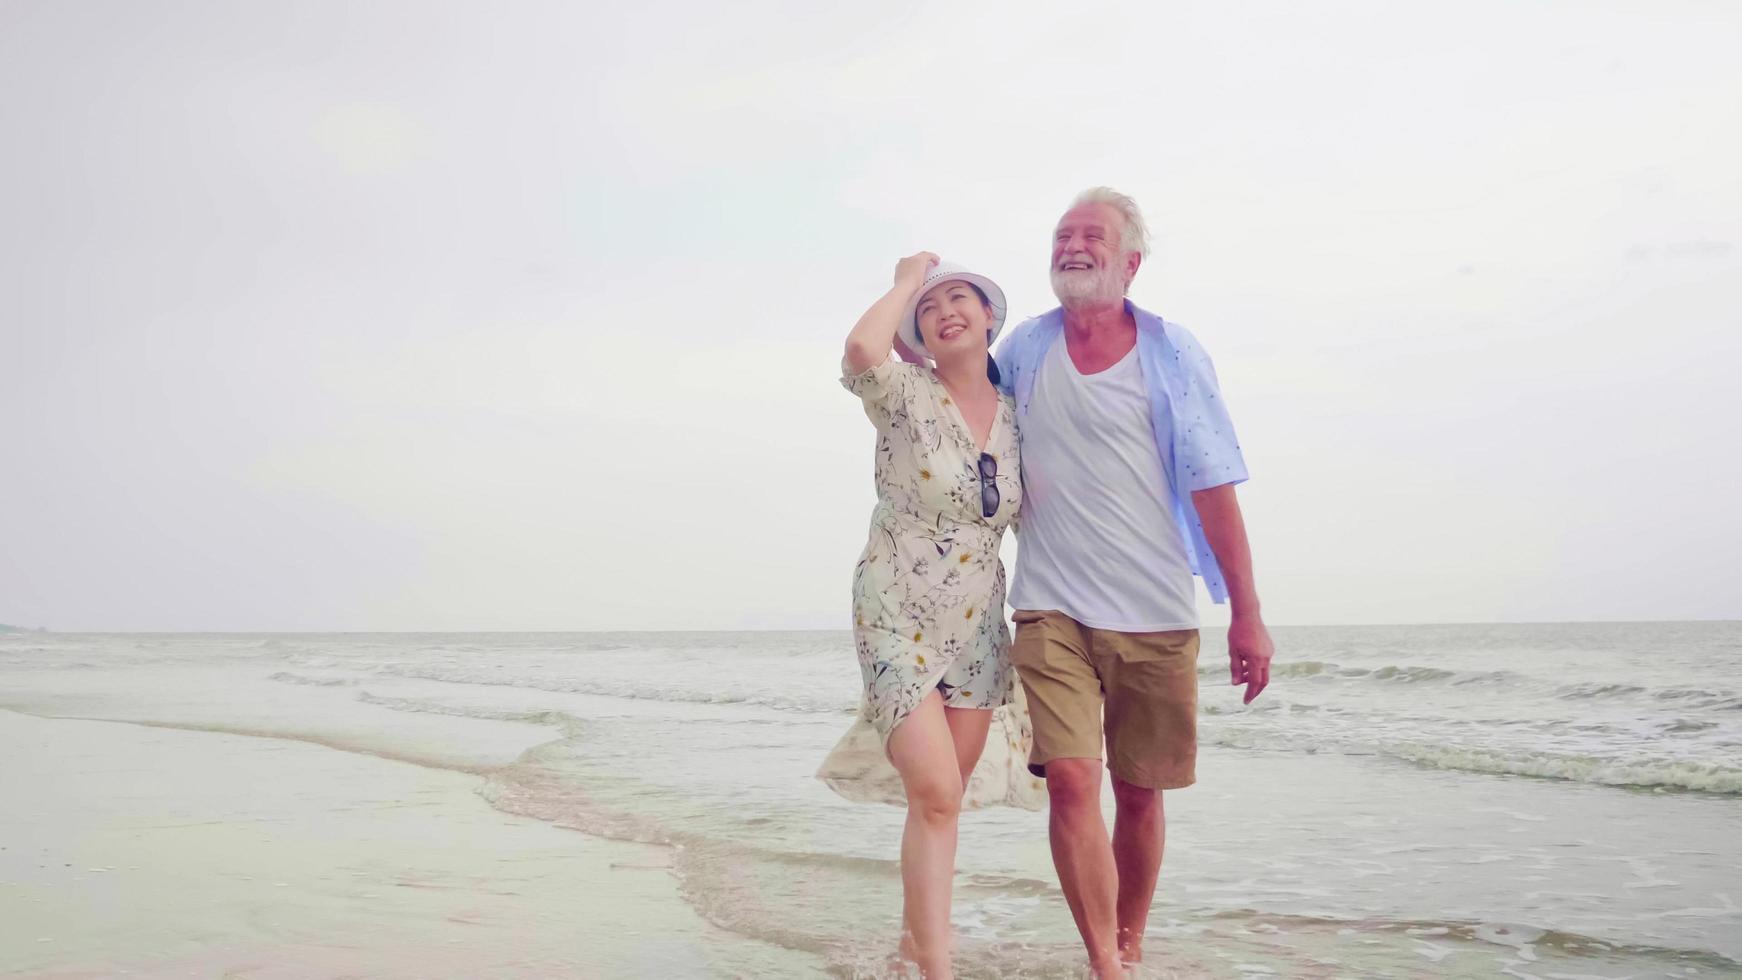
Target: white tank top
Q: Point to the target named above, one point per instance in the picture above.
(1098, 541)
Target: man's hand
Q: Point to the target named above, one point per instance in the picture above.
(1249, 646)
(1249, 653)
(906, 353)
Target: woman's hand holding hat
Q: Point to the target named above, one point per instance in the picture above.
(938, 271)
(911, 271)
(892, 317)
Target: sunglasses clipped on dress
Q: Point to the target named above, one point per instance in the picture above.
(989, 498)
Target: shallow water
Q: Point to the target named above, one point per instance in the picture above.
(1544, 800)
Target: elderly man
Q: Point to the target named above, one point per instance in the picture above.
(1129, 464)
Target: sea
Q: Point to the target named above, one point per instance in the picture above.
(1533, 801)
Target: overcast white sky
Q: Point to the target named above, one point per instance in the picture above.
(528, 315)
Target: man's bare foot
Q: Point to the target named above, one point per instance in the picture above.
(1130, 946)
(1107, 968)
(931, 967)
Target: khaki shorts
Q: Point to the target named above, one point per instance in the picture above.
(1148, 681)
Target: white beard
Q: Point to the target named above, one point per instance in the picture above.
(1088, 286)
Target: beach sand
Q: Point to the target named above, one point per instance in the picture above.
(130, 850)
(613, 805)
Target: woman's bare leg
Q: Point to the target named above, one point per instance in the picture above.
(968, 728)
(924, 752)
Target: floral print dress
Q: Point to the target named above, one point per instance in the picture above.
(928, 592)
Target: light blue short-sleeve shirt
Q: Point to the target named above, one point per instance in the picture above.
(1194, 434)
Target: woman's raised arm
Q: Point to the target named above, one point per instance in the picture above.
(872, 338)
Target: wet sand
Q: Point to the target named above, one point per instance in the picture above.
(128, 850)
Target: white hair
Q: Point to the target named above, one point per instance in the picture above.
(1134, 236)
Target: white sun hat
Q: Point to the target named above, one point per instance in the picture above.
(943, 272)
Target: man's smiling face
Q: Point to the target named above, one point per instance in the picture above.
(1089, 263)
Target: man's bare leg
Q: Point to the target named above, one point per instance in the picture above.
(1084, 858)
(1139, 834)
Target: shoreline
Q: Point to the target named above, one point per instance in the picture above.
(145, 850)
(263, 771)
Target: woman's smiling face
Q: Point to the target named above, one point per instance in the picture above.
(953, 317)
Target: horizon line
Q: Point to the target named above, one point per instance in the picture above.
(9, 630)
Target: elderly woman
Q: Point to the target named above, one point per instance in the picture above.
(928, 592)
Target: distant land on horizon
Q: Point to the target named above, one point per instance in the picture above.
(22, 629)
